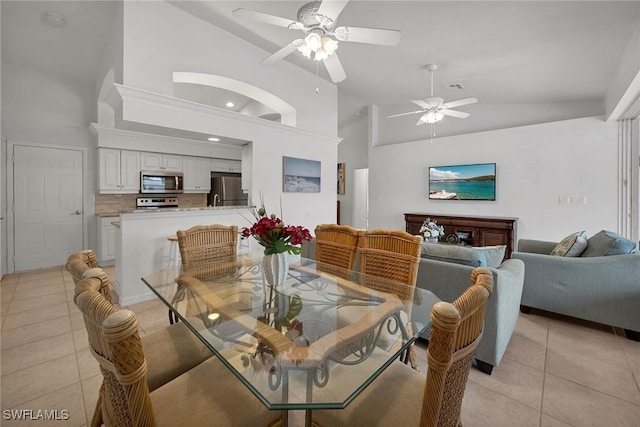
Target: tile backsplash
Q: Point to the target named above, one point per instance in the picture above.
(114, 203)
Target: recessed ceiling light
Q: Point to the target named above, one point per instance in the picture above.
(229, 104)
(213, 139)
(54, 19)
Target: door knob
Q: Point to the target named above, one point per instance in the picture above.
(76, 213)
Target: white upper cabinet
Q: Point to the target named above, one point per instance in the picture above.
(161, 162)
(197, 174)
(118, 171)
(226, 165)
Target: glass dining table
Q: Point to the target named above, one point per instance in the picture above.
(312, 341)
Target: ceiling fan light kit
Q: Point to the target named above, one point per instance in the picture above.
(321, 47)
(433, 108)
(317, 20)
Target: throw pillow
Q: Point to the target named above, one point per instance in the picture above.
(606, 243)
(493, 255)
(572, 245)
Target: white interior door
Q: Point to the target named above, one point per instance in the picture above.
(47, 199)
(361, 198)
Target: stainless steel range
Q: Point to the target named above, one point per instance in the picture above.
(151, 202)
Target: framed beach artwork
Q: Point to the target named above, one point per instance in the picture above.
(300, 175)
(463, 182)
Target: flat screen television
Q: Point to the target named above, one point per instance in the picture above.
(463, 182)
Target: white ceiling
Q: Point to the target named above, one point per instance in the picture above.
(503, 52)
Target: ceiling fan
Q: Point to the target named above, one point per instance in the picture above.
(317, 20)
(434, 108)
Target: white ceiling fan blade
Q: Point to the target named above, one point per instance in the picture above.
(329, 10)
(267, 19)
(454, 113)
(420, 121)
(368, 35)
(420, 103)
(459, 102)
(286, 50)
(405, 114)
(334, 67)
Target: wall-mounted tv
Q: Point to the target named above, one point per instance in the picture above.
(463, 182)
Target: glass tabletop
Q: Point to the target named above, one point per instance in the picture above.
(314, 341)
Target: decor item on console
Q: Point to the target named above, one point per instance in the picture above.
(431, 231)
(463, 182)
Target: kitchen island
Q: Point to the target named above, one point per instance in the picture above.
(142, 244)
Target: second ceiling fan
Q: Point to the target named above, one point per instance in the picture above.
(433, 108)
(317, 19)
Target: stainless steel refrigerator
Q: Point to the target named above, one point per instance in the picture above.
(226, 190)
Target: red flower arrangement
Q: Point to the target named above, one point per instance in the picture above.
(276, 237)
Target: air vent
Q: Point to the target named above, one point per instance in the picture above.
(454, 86)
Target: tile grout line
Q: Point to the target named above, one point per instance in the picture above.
(544, 374)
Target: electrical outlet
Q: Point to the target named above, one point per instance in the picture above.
(579, 200)
(564, 200)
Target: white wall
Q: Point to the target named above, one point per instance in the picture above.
(42, 107)
(352, 151)
(160, 39)
(535, 166)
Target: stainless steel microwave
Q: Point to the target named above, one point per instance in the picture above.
(152, 182)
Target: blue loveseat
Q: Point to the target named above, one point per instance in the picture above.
(602, 289)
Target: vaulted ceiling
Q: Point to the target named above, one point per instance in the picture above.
(503, 52)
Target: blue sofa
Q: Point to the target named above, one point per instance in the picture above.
(449, 279)
(602, 289)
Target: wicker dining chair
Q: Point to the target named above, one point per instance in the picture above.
(336, 248)
(79, 262)
(207, 395)
(392, 399)
(171, 351)
(389, 261)
(201, 244)
(391, 255)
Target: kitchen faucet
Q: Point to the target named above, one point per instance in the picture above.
(216, 198)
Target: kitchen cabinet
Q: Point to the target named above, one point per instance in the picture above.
(247, 160)
(161, 162)
(118, 171)
(106, 240)
(197, 174)
(226, 165)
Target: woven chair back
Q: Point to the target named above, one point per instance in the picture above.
(455, 334)
(130, 392)
(204, 243)
(336, 248)
(79, 262)
(91, 298)
(391, 255)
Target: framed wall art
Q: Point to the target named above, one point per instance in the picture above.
(341, 173)
(300, 175)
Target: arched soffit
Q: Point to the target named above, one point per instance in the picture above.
(106, 114)
(286, 111)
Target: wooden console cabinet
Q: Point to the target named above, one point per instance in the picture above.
(471, 230)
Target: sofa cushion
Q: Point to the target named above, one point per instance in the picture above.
(487, 256)
(607, 243)
(572, 245)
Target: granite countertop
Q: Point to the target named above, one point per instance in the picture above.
(205, 208)
(108, 214)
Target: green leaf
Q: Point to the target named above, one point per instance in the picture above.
(295, 306)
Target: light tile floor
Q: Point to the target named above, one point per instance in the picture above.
(557, 372)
